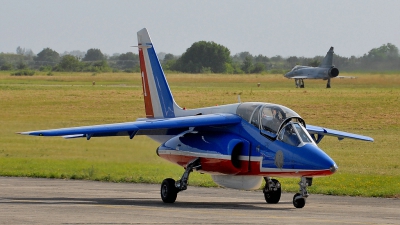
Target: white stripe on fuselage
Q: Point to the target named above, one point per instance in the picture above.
(228, 157)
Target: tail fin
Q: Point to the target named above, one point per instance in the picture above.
(158, 99)
(328, 60)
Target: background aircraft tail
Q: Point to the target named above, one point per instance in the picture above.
(158, 99)
(328, 60)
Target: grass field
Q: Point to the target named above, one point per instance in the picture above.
(368, 105)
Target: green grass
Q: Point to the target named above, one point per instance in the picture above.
(368, 105)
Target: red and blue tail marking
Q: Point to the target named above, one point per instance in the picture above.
(158, 99)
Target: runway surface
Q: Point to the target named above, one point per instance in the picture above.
(50, 201)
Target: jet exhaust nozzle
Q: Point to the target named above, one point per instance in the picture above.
(333, 72)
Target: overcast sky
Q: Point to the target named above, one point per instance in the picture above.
(287, 28)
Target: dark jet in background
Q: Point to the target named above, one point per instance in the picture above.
(325, 71)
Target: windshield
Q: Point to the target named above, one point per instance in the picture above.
(272, 117)
(265, 116)
(294, 134)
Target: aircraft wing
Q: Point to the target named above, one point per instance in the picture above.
(299, 77)
(321, 131)
(168, 126)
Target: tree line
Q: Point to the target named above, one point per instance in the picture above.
(201, 57)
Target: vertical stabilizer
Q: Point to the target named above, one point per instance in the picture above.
(158, 99)
(328, 60)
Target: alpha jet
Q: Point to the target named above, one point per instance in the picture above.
(325, 71)
(239, 144)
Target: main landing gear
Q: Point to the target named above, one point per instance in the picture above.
(328, 84)
(170, 187)
(272, 191)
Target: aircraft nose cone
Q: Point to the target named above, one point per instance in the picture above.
(311, 157)
(334, 168)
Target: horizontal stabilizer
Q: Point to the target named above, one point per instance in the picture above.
(336, 133)
(347, 77)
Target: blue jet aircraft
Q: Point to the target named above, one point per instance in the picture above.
(240, 144)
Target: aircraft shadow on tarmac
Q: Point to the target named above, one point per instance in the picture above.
(149, 202)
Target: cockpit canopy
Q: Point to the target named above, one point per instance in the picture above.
(298, 67)
(275, 121)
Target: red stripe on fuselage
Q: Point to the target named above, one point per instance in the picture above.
(224, 166)
(145, 84)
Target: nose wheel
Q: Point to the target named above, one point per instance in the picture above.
(299, 82)
(299, 199)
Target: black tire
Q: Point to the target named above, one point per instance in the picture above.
(273, 197)
(168, 191)
(300, 202)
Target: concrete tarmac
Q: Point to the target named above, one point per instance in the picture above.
(53, 201)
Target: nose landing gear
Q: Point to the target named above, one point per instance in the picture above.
(299, 82)
(299, 199)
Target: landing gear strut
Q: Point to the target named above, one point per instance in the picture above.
(170, 187)
(299, 83)
(299, 199)
(272, 190)
(328, 84)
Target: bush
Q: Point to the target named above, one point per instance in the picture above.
(24, 72)
(46, 68)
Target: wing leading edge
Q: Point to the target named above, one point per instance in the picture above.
(147, 127)
(321, 132)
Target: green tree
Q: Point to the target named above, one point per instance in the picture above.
(69, 63)
(93, 54)
(260, 58)
(241, 56)
(47, 55)
(20, 51)
(314, 63)
(98, 66)
(127, 61)
(247, 65)
(168, 57)
(388, 51)
(169, 62)
(7, 66)
(258, 67)
(22, 65)
(204, 56)
(292, 60)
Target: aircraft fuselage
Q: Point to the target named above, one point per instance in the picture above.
(246, 150)
(305, 72)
